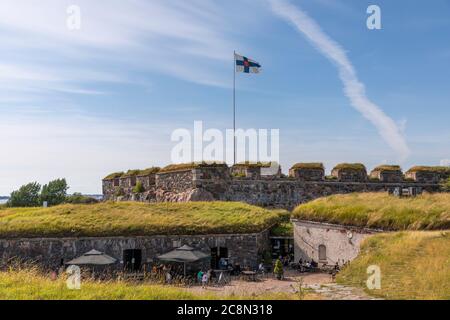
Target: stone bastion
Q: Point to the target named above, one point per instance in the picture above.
(250, 183)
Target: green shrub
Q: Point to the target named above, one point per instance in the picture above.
(284, 229)
(139, 188)
(278, 269)
(78, 198)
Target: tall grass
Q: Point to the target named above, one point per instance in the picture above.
(414, 265)
(29, 284)
(135, 219)
(380, 210)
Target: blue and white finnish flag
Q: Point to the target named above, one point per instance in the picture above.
(246, 65)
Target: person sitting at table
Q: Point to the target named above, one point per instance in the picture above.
(307, 266)
(336, 267)
(261, 268)
(222, 263)
(314, 264)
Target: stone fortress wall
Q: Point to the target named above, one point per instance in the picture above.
(245, 249)
(248, 183)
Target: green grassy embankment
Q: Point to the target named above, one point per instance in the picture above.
(380, 210)
(136, 219)
(413, 264)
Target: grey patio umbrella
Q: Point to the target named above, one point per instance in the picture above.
(93, 257)
(185, 254)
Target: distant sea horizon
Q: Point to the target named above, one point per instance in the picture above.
(4, 199)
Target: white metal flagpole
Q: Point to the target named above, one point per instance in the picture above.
(234, 107)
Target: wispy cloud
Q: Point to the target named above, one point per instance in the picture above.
(353, 87)
(50, 74)
(183, 40)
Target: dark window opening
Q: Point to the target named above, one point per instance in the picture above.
(133, 181)
(282, 248)
(132, 259)
(116, 182)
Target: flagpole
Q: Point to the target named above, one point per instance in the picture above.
(234, 107)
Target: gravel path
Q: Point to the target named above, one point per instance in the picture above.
(333, 291)
(320, 284)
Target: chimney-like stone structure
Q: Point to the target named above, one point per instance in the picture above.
(307, 171)
(425, 174)
(387, 173)
(350, 172)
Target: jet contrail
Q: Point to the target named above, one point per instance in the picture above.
(353, 88)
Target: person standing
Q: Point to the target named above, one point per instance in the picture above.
(205, 280)
(200, 276)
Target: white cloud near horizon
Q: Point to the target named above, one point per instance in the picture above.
(76, 146)
(354, 89)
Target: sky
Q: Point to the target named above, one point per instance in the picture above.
(106, 97)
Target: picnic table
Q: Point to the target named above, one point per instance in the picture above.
(249, 275)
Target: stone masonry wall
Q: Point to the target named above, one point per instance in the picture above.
(307, 174)
(217, 183)
(245, 249)
(339, 243)
(288, 194)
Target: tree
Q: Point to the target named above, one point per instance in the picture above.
(26, 196)
(55, 192)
